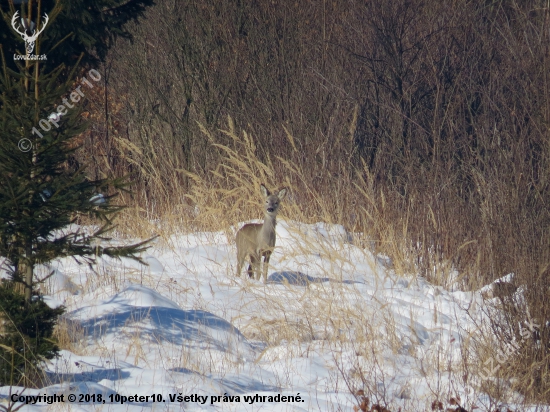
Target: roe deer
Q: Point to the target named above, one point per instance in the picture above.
(255, 240)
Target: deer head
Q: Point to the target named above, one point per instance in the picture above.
(28, 27)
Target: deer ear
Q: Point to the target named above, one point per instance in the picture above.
(265, 192)
(282, 194)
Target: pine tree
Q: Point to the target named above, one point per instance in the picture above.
(26, 338)
(42, 194)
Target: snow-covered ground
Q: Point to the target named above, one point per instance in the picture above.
(185, 334)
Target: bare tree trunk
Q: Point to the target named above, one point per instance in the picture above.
(28, 276)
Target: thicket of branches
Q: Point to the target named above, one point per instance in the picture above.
(423, 125)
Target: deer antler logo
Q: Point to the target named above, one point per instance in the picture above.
(28, 27)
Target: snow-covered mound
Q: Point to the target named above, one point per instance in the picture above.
(152, 318)
(332, 320)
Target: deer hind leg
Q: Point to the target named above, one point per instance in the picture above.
(267, 255)
(240, 261)
(241, 257)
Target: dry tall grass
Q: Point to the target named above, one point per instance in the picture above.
(406, 228)
(423, 130)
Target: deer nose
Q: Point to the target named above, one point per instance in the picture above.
(270, 209)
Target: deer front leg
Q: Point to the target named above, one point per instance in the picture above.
(267, 255)
(254, 267)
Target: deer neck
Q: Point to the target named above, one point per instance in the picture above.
(267, 231)
(269, 222)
